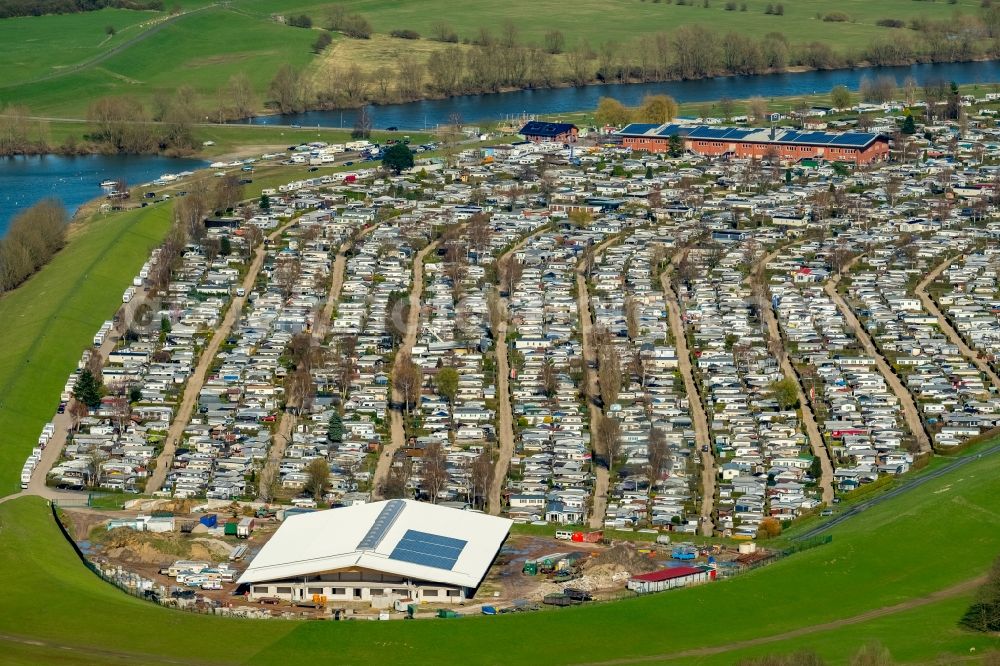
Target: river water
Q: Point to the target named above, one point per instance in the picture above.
(494, 107)
(75, 180)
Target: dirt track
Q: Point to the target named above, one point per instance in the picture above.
(909, 408)
(165, 460)
(816, 442)
(397, 432)
(910, 604)
(946, 326)
(700, 420)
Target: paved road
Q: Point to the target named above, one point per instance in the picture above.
(816, 442)
(906, 486)
(197, 379)
(910, 413)
(397, 431)
(702, 438)
(946, 326)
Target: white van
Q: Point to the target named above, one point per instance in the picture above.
(565, 535)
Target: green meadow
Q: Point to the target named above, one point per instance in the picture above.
(52, 318)
(901, 550)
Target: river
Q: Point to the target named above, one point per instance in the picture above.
(494, 107)
(75, 180)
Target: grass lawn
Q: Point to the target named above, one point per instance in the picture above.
(36, 46)
(202, 50)
(51, 319)
(899, 550)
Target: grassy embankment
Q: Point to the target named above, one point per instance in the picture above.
(897, 552)
(203, 49)
(51, 319)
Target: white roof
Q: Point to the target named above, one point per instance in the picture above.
(456, 547)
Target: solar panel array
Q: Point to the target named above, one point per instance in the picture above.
(709, 133)
(721, 133)
(429, 550)
(386, 517)
(638, 128)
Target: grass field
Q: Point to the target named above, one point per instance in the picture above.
(206, 46)
(597, 21)
(51, 319)
(202, 50)
(36, 46)
(901, 550)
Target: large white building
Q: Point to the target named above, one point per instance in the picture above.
(396, 548)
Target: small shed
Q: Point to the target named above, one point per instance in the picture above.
(667, 579)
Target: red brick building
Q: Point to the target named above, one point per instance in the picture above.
(537, 131)
(749, 142)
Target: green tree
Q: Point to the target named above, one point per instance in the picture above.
(335, 428)
(317, 478)
(656, 109)
(225, 246)
(446, 383)
(984, 614)
(785, 391)
(398, 158)
(909, 127)
(675, 145)
(841, 97)
(265, 202)
(649, 171)
(87, 390)
(611, 112)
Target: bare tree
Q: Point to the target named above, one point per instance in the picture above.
(659, 455)
(433, 470)
(497, 311)
(480, 476)
(608, 433)
(406, 379)
(609, 371)
(286, 275)
(399, 477)
(632, 317)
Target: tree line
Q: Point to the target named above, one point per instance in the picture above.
(500, 59)
(12, 8)
(34, 236)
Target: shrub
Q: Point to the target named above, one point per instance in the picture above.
(352, 25)
(322, 42)
(836, 17)
(890, 23)
(405, 34)
(300, 21)
(730, 6)
(443, 32)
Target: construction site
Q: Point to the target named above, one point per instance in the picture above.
(176, 553)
